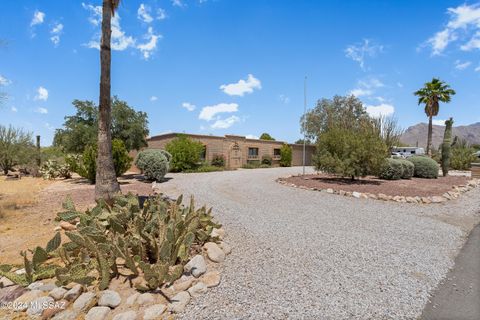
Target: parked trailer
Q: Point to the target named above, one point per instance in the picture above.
(408, 151)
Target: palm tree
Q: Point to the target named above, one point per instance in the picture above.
(431, 95)
(106, 184)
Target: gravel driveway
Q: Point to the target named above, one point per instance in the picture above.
(300, 254)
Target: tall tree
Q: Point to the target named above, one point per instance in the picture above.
(266, 136)
(431, 95)
(106, 184)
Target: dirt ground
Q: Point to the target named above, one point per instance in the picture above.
(29, 206)
(408, 188)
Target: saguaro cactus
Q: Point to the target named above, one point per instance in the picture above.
(446, 145)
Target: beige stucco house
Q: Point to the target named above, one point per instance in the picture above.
(238, 150)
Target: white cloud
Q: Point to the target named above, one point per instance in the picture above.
(143, 13)
(178, 3)
(41, 110)
(42, 94)
(38, 18)
(56, 32)
(209, 112)
(464, 20)
(153, 98)
(188, 106)
(283, 98)
(399, 84)
(95, 13)
(477, 69)
(4, 81)
(13, 109)
(438, 122)
(367, 87)
(366, 49)
(147, 48)
(359, 92)
(383, 109)
(225, 123)
(459, 65)
(242, 86)
(161, 14)
(251, 136)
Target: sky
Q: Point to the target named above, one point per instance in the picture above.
(237, 67)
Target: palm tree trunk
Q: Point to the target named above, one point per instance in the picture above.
(429, 137)
(106, 184)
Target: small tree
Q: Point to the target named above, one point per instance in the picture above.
(185, 153)
(285, 156)
(16, 148)
(266, 136)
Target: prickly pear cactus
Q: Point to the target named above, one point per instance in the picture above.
(446, 146)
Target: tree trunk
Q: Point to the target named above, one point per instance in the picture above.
(106, 184)
(429, 137)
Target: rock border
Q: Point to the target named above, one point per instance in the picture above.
(449, 195)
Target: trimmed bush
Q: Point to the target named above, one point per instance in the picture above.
(392, 169)
(121, 159)
(267, 160)
(153, 164)
(185, 153)
(425, 167)
(286, 156)
(218, 160)
(408, 169)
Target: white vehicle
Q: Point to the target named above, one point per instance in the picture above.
(408, 151)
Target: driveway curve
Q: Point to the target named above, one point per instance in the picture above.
(300, 254)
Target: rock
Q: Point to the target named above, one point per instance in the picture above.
(198, 289)
(21, 271)
(220, 233)
(97, 313)
(356, 194)
(5, 282)
(67, 226)
(437, 199)
(211, 279)
(426, 200)
(109, 298)
(73, 293)
(183, 283)
(129, 315)
(372, 196)
(342, 193)
(196, 266)
(214, 252)
(58, 307)
(11, 293)
(329, 190)
(226, 248)
(86, 301)
(35, 285)
(383, 197)
(132, 299)
(37, 306)
(179, 302)
(22, 303)
(145, 299)
(154, 312)
(411, 200)
(47, 287)
(66, 315)
(58, 293)
(57, 228)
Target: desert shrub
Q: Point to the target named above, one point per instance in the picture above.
(87, 167)
(218, 160)
(153, 164)
(52, 169)
(462, 157)
(264, 165)
(185, 153)
(16, 148)
(205, 168)
(408, 169)
(267, 160)
(392, 169)
(153, 241)
(425, 167)
(252, 164)
(286, 156)
(121, 160)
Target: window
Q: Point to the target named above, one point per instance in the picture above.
(276, 153)
(253, 152)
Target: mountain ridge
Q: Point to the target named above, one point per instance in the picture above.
(418, 134)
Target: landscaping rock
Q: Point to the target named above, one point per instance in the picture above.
(67, 226)
(154, 312)
(97, 313)
(11, 293)
(196, 266)
(179, 302)
(145, 299)
(330, 190)
(132, 299)
(58, 307)
(437, 199)
(37, 306)
(5, 282)
(47, 287)
(198, 289)
(58, 293)
(211, 279)
(22, 303)
(73, 293)
(220, 233)
(109, 298)
(214, 252)
(183, 283)
(129, 315)
(85, 301)
(35, 285)
(66, 315)
(226, 248)
(356, 194)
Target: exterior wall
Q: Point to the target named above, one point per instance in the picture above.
(235, 148)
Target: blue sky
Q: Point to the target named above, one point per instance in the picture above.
(237, 67)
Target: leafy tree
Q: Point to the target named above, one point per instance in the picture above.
(185, 153)
(388, 129)
(16, 148)
(285, 156)
(300, 141)
(266, 136)
(431, 95)
(80, 130)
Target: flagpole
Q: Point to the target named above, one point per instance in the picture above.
(304, 119)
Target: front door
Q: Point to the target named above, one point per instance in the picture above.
(235, 157)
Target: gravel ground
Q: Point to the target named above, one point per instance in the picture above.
(300, 254)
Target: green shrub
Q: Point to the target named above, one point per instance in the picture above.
(264, 165)
(87, 167)
(52, 169)
(425, 167)
(121, 160)
(205, 168)
(153, 164)
(251, 164)
(286, 156)
(185, 153)
(462, 157)
(218, 160)
(267, 160)
(392, 169)
(408, 169)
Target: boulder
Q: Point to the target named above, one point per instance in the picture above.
(132, 299)
(22, 303)
(154, 312)
(214, 252)
(197, 289)
(211, 279)
(73, 293)
(66, 315)
(58, 293)
(183, 283)
(85, 302)
(37, 306)
(145, 299)
(179, 302)
(196, 266)
(109, 298)
(97, 313)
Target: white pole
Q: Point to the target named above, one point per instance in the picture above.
(304, 119)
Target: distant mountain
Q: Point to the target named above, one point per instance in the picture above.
(418, 133)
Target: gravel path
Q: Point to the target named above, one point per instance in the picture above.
(302, 254)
